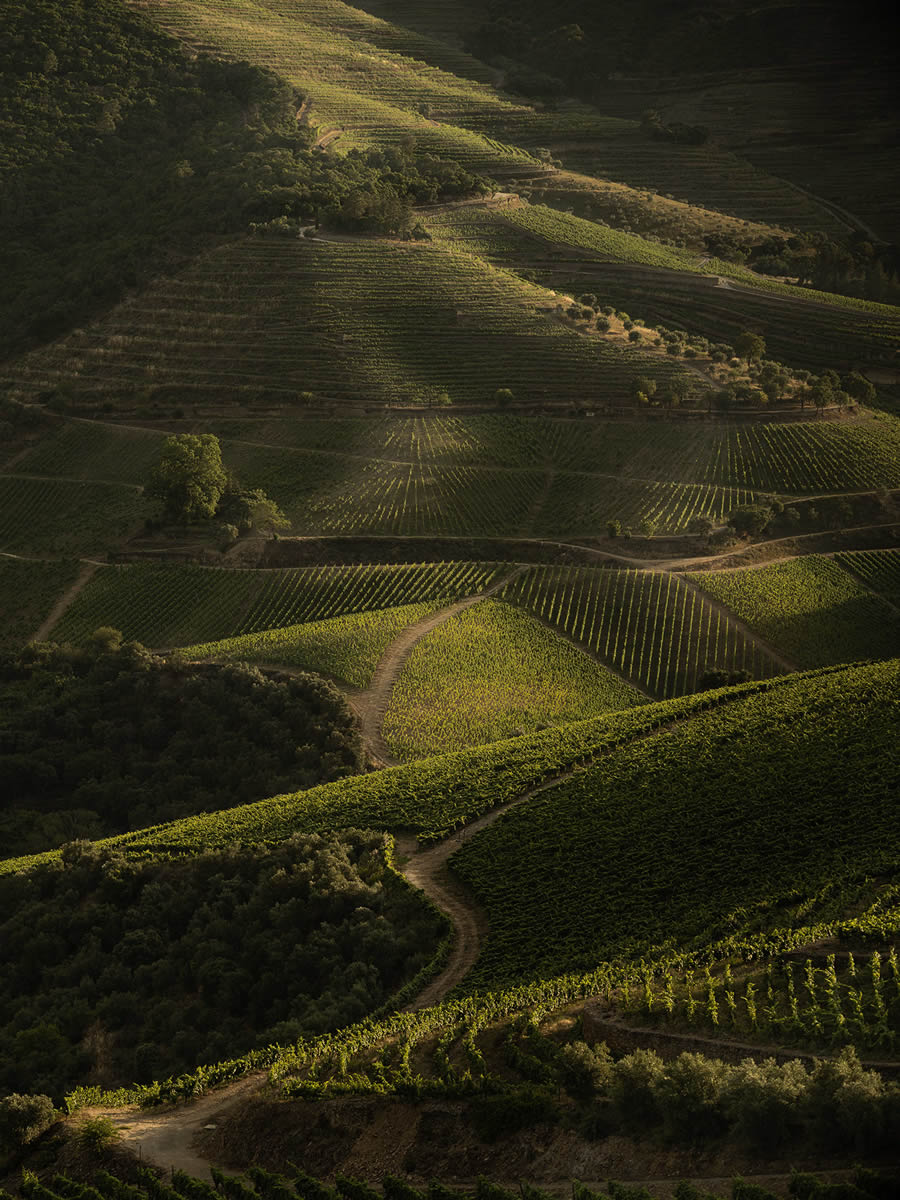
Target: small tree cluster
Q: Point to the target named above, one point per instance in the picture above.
(191, 484)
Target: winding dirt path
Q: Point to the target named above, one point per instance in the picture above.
(372, 704)
(63, 603)
(166, 1136)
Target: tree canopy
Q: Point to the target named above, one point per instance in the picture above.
(189, 478)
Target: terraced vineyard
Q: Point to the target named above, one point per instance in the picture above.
(90, 450)
(704, 175)
(662, 284)
(261, 315)
(878, 569)
(489, 673)
(366, 78)
(346, 648)
(331, 495)
(809, 608)
(171, 605)
(597, 838)
(796, 457)
(851, 1001)
(650, 626)
(510, 236)
(62, 517)
(27, 592)
(581, 809)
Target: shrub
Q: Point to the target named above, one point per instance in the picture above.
(22, 1119)
(763, 1101)
(97, 1134)
(689, 1096)
(634, 1089)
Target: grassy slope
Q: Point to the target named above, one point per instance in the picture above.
(430, 797)
(810, 609)
(712, 831)
(27, 592)
(489, 673)
(347, 648)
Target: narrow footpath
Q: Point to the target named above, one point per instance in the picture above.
(372, 704)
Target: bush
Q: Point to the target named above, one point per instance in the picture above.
(634, 1089)
(689, 1096)
(22, 1119)
(764, 1101)
(97, 1134)
(585, 1070)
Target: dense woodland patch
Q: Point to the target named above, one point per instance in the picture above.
(100, 741)
(118, 971)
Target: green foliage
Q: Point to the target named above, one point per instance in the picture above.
(107, 740)
(167, 604)
(750, 519)
(431, 798)
(185, 961)
(189, 479)
(491, 672)
(815, 751)
(809, 608)
(750, 346)
(348, 648)
(97, 1134)
(22, 1119)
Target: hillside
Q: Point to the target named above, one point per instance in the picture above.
(449, 601)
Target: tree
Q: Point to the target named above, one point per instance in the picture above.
(648, 526)
(773, 379)
(821, 394)
(613, 528)
(249, 508)
(749, 346)
(643, 385)
(676, 391)
(859, 388)
(750, 519)
(502, 397)
(701, 524)
(22, 1119)
(189, 478)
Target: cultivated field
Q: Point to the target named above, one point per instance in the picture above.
(810, 609)
(491, 673)
(650, 626)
